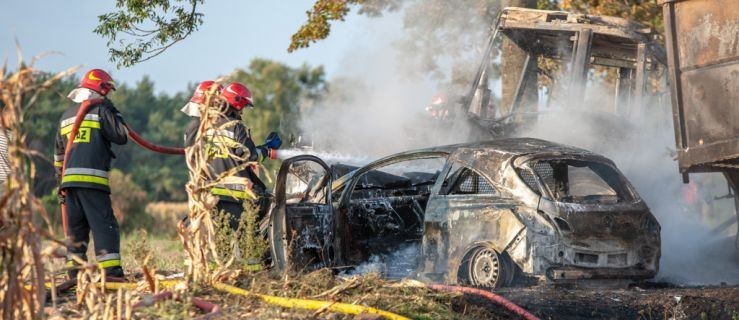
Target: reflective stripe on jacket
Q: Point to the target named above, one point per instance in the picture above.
(89, 160)
(232, 146)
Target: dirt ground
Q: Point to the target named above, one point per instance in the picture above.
(649, 300)
(646, 301)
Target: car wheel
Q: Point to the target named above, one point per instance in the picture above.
(486, 268)
(509, 269)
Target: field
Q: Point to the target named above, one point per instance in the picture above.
(642, 301)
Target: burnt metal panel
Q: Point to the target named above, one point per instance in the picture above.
(703, 55)
(580, 64)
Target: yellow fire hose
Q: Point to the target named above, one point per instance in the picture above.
(273, 300)
(309, 304)
(166, 284)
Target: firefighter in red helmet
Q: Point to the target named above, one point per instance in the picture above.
(84, 188)
(234, 147)
(192, 108)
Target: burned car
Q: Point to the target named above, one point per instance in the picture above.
(479, 213)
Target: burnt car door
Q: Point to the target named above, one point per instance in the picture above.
(302, 218)
(468, 215)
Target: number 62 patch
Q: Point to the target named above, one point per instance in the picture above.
(83, 135)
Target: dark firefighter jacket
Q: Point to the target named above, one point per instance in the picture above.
(232, 146)
(89, 160)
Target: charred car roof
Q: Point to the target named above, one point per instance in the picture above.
(482, 154)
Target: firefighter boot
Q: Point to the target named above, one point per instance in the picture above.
(72, 270)
(116, 272)
(72, 266)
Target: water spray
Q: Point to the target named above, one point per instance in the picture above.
(328, 157)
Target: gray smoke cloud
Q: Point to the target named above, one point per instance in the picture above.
(375, 108)
(642, 147)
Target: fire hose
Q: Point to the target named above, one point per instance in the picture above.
(310, 304)
(273, 300)
(505, 303)
(84, 107)
(213, 309)
(345, 308)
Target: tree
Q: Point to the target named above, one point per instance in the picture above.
(140, 30)
(42, 129)
(153, 26)
(158, 119)
(643, 11)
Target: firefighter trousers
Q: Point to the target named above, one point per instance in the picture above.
(91, 210)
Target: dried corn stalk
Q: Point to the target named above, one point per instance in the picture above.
(198, 237)
(22, 291)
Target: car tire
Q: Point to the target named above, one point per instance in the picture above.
(484, 267)
(509, 268)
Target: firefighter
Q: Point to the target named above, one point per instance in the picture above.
(84, 188)
(439, 107)
(234, 147)
(192, 109)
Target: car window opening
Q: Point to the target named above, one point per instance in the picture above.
(578, 181)
(465, 181)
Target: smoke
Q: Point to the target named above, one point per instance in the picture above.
(375, 107)
(397, 264)
(642, 147)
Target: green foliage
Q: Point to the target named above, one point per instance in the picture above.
(224, 236)
(158, 119)
(643, 11)
(42, 125)
(129, 201)
(144, 29)
(547, 4)
(140, 30)
(251, 243)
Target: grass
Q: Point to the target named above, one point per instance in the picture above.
(370, 290)
(165, 251)
(165, 215)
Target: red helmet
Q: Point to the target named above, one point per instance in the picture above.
(237, 95)
(97, 80)
(199, 95)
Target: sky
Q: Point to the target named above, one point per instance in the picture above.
(233, 33)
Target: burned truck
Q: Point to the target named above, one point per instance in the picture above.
(537, 62)
(703, 58)
(479, 213)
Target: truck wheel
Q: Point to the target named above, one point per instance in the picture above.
(485, 268)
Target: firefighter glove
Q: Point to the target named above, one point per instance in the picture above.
(117, 114)
(273, 140)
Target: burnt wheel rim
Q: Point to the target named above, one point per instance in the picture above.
(485, 268)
